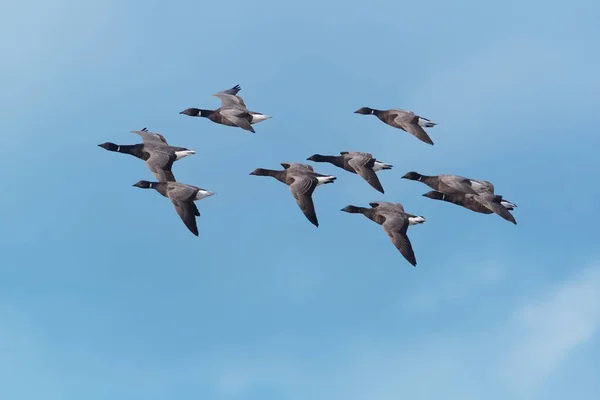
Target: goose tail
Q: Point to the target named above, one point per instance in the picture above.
(425, 123)
(507, 204)
(322, 180)
(381, 165)
(258, 117)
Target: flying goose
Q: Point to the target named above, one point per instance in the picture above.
(155, 150)
(448, 184)
(481, 186)
(233, 111)
(302, 180)
(408, 121)
(394, 221)
(182, 196)
(363, 164)
(487, 197)
(474, 203)
(485, 201)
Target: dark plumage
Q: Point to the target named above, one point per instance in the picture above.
(449, 184)
(182, 196)
(363, 164)
(408, 121)
(394, 221)
(155, 151)
(484, 202)
(233, 111)
(302, 180)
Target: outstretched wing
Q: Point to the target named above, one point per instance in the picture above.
(387, 204)
(396, 225)
(237, 117)
(492, 203)
(302, 189)
(160, 164)
(300, 166)
(187, 212)
(233, 91)
(231, 101)
(408, 121)
(151, 137)
(363, 165)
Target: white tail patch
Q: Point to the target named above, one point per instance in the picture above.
(379, 166)
(424, 122)
(203, 193)
(256, 118)
(183, 153)
(507, 204)
(416, 220)
(325, 179)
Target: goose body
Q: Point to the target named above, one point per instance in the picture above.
(363, 164)
(233, 111)
(408, 121)
(448, 184)
(483, 202)
(155, 151)
(394, 221)
(302, 181)
(182, 196)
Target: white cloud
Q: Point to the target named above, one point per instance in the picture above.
(512, 360)
(546, 331)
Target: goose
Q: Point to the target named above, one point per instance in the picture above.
(481, 186)
(448, 184)
(233, 111)
(363, 164)
(302, 180)
(155, 151)
(394, 221)
(408, 121)
(182, 196)
(475, 203)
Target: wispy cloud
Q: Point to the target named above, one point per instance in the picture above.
(547, 330)
(513, 359)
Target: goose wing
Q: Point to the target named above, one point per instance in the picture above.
(231, 101)
(238, 117)
(455, 184)
(408, 121)
(187, 212)
(295, 165)
(492, 203)
(151, 137)
(302, 189)
(387, 204)
(396, 225)
(233, 91)
(363, 165)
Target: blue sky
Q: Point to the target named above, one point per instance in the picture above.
(105, 294)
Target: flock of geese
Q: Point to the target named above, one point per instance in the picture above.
(472, 194)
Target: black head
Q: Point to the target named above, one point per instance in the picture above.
(365, 111)
(435, 195)
(109, 146)
(315, 157)
(192, 112)
(351, 209)
(143, 184)
(413, 176)
(259, 172)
